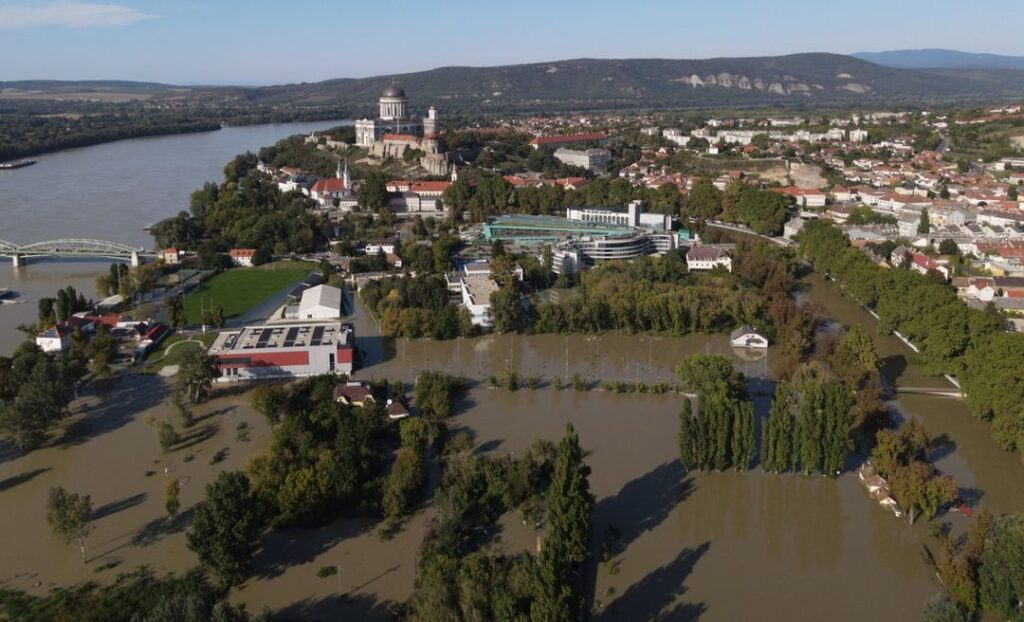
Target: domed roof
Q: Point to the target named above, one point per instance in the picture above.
(393, 90)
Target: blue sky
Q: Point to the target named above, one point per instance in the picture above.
(257, 42)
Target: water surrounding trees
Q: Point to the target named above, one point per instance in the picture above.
(68, 515)
(953, 338)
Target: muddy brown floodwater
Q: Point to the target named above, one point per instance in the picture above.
(719, 546)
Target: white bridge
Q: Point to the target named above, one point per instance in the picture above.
(73, 248)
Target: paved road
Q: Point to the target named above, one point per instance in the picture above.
(742, 229)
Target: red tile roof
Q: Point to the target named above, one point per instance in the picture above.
(430, 186)
(242, 252)
(403, 138)
(571, 138)
(328, 185)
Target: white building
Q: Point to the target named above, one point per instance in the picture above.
(590, 159)
(476, 297)
(322, 302)
(702, 258)
(394, 118)
(54, 339)
(746, 337)
(285, 351)
(242, 256)
(633, 216)
(677, 136)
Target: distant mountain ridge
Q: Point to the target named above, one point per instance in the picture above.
(937, 58)
(813, 79)
(796, 81)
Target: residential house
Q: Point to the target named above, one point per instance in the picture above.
(55, 339)
(242, 256)
(353, 394)
(746, 337)
(700, 258)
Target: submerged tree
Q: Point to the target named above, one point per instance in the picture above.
(777, 455)
(226, 528)
(68, 515)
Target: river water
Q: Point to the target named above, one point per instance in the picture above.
(720, 546)
(108, 192)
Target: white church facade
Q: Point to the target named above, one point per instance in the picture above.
(394, 120)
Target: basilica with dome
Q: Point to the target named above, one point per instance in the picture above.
(394, 120)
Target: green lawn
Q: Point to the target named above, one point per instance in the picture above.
(239, 289)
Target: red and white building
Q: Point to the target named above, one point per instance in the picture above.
(242, 256)
(284, 351)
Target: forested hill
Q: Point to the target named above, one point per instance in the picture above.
(799, 79)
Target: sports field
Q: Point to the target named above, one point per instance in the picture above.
(238, 289)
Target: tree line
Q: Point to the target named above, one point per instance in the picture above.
(654, 294)
(246, 210)
(952, 338)
(456, 581)
(487, 194)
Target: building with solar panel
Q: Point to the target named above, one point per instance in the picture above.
(285, 351)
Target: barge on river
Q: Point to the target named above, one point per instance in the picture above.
(9, 166)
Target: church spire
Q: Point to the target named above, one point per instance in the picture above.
(337, 172)
(347, 181)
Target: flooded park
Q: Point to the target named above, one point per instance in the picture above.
(717, 546)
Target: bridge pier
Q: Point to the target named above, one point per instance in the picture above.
(17, 260)
(136, 260)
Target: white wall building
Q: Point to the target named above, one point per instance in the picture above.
(322, 302)
(590, 159)
(286, 351)
(703, 258)
(746, 337)
(476, 297)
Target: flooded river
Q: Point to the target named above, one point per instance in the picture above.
(108, 192)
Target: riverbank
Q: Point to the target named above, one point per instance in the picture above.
(110, 192)
(125, 128)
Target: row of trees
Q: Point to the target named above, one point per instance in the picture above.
(654, 294)
(952, 338)
(817, 439)
(456, 581)
(484, 194)
(981, 571)
(722, 434)
(416, 307)
(137, 596)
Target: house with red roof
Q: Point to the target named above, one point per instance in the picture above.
(924, 264)
(554, 142)
(242, 256)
